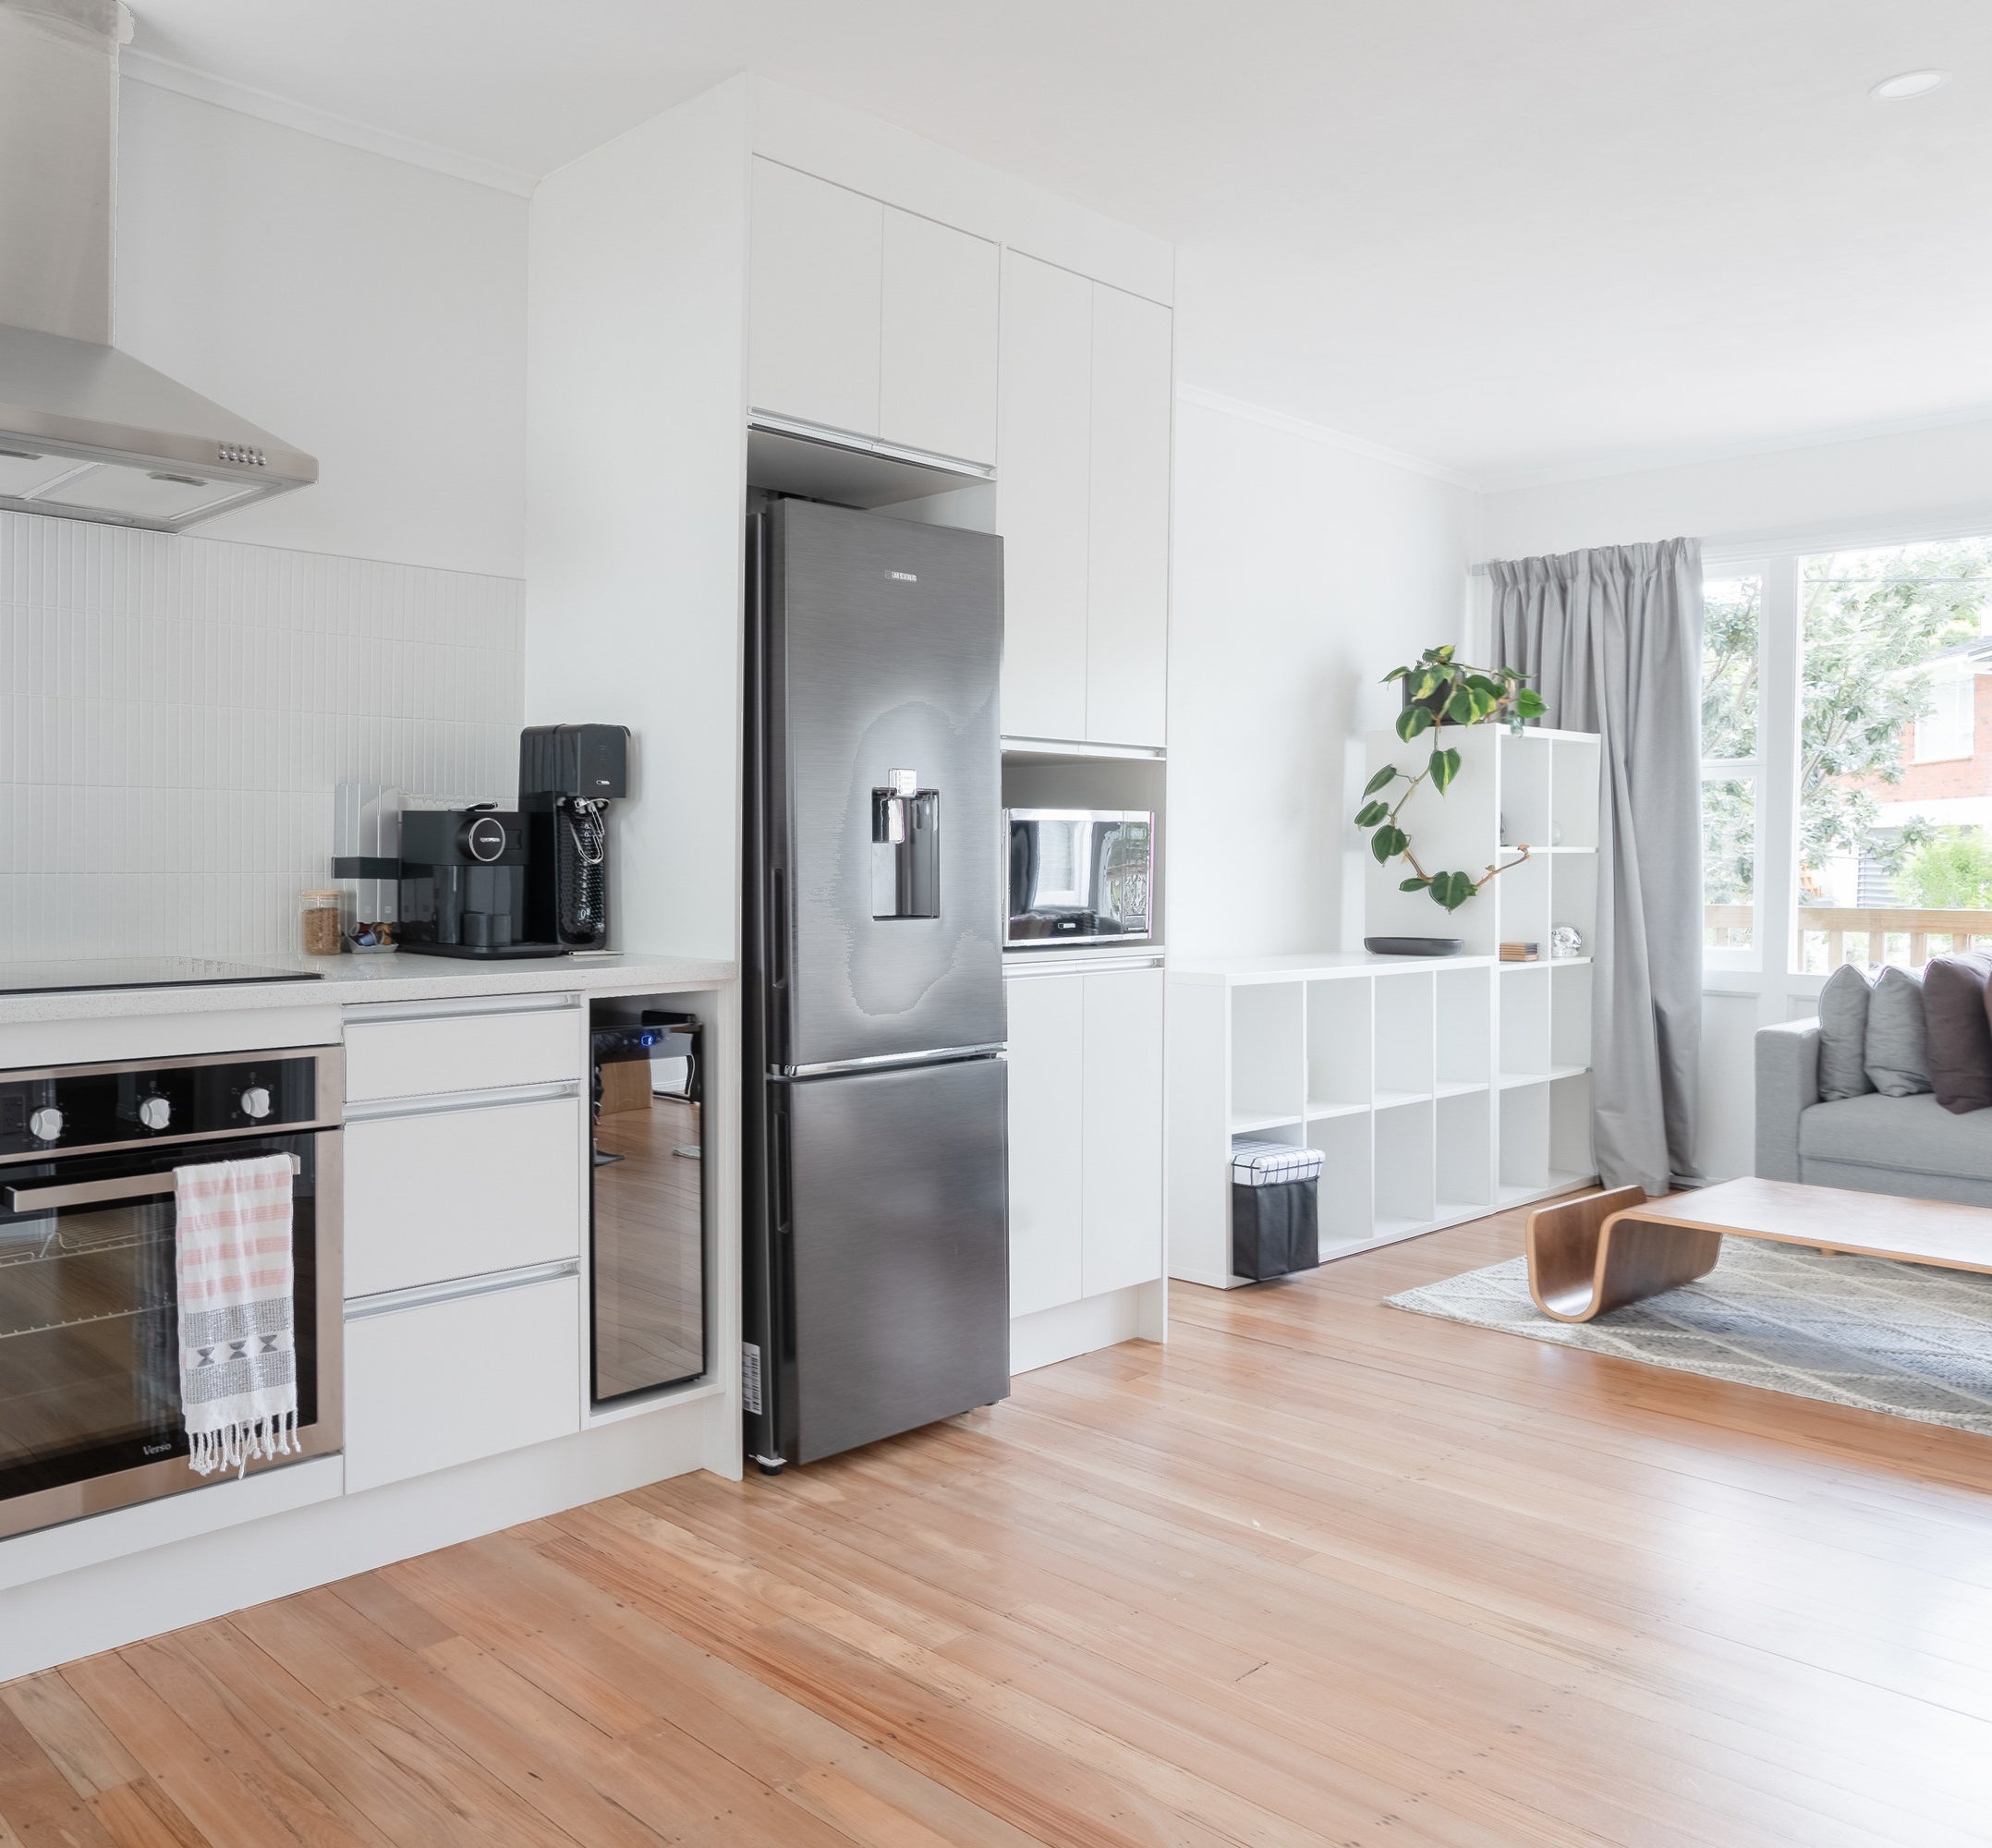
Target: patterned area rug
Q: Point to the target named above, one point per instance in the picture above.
(1887, 1337)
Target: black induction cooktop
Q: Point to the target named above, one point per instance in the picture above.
(137, 972)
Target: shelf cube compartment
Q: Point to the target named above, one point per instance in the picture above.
(1524, 1140)
(1524, 1021)
(1570, 1017)
(1404, 1035)
(1522, 902)
(1572, 1158)
(1344, 1199)
(1403, 1167)
(1464, 1136)
(1268, 1057)
(1338, 1044)
(1465, 1027)
(1524, 789)
(1574, 896)
(1574, 791)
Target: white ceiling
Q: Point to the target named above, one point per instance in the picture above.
(1510, 236)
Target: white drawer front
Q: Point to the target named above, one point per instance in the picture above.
(451, 1382)
(459, 1192)
(461, 1052)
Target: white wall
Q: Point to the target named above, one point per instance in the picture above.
(1302, 570)
(1873, 484)
(638, 459)
(369, 312)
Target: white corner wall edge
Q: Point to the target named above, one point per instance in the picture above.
(198, 1576)
(1139, 1312)
(1206, 399)
(837, 143)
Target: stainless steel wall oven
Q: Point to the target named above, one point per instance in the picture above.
(90, 1402)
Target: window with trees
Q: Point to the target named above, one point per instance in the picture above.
(1840, 789)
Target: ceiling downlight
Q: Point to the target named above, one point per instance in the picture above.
(1906, 84)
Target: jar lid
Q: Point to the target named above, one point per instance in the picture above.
(329, 896)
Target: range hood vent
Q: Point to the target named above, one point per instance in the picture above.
(87, 431)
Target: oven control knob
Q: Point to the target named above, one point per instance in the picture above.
(156, 1113)
(256, 1102)
(45, 1124)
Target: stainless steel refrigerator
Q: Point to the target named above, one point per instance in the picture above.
(876, 1250)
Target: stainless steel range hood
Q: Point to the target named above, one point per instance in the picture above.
(86, 432)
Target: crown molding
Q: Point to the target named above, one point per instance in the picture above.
(1322, 433)
(1655, 461)
(203, 87)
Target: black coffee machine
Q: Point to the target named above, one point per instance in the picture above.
(466, 874)
(526, 882)
(567, 776)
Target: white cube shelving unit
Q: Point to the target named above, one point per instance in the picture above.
(1437, 1089)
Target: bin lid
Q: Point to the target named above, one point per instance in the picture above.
(1261, 1164)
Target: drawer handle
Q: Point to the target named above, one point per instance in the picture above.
(445, 1103)
(421, 1295)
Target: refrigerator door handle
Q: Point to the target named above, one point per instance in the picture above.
(941, 1055)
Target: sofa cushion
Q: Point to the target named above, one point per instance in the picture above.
(1907, 1135)
(1898, 1061)
(1843, 1033)
(1960, 1041)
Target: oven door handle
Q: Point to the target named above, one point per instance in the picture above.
(97, 1193)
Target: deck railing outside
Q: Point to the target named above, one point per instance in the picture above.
(1830, 935)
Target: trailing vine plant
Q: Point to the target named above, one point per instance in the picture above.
(1440, 690)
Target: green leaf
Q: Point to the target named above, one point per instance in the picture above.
(1395, 674)
(1484, 703)
(1413, 884)
(1412, 721)
(1530, 704)
(1460, 708)
(1426, 686)
(1370, 814)
(1451, 889)
(1382, 777)
(1443, 767)
(1480, 683)
(1444, 653)
(1387, 842)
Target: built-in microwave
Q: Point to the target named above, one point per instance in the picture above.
(1079, 876)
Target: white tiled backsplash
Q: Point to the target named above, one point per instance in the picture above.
(177, 709)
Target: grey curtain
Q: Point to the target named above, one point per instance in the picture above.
(1612, 640)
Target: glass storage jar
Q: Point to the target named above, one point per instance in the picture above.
(318, 915)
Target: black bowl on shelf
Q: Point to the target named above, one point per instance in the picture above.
(1413, 946)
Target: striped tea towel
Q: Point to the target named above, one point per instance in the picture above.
(238, 1324)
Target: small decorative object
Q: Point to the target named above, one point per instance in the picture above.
(1413, 946)
(1440, 691)
(1565, 940)
(1520, 953)
(1506, 839)
(1556, 833)
(318, 916)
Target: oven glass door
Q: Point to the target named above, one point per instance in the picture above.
(88, 1323)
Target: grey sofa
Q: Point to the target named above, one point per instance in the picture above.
(1875, 1144)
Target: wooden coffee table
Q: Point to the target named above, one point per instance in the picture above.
(1604, 1250)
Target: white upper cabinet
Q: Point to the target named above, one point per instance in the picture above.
(1044, 489)
(818, 255)
(870, 319)
(1127, 576)
(1082, 492)
(937, 353)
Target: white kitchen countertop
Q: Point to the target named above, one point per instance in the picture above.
(397, 977)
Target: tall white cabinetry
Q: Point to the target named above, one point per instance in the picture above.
(1082, 497)
(1085, 1158)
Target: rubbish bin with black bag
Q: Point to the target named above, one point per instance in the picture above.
(1275, 1217)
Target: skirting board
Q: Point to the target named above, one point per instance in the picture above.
(117, 1601)
(1140, 1312)
(1561, 1183)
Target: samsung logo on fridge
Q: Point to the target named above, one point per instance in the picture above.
(904, 576)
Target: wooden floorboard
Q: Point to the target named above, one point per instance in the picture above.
(1318, 1572)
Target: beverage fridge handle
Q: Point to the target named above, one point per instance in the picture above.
(98, 1193)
